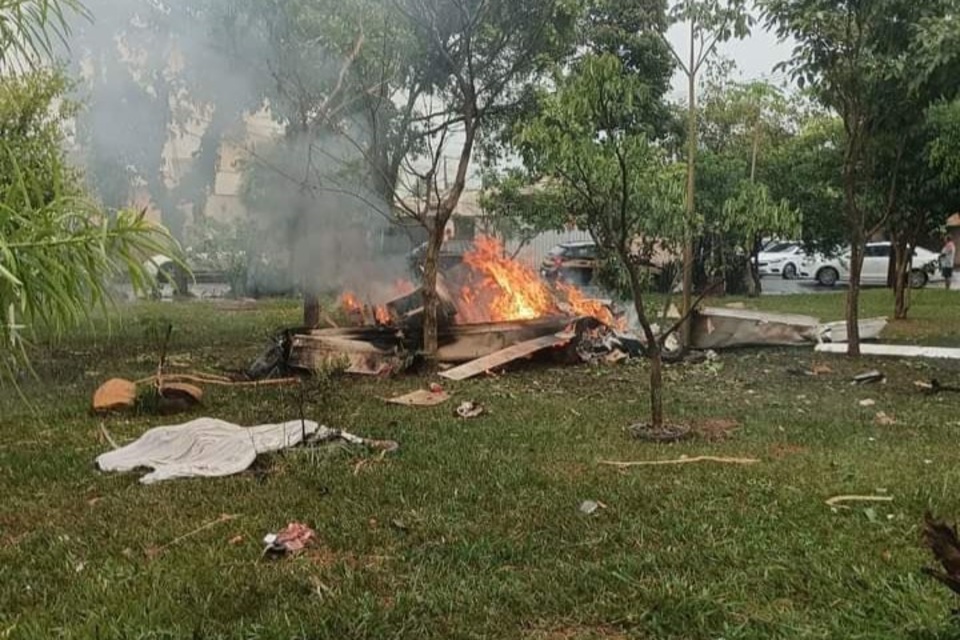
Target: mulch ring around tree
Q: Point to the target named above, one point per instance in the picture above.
(711, 429)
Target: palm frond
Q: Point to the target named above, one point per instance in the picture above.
(30, 30)
(58, 262)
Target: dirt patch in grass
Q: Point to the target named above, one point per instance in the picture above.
(716, 429)
(709, 429)
(783, 450)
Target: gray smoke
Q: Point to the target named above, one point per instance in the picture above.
(194, 71)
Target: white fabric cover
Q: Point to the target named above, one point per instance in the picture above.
(205, 447)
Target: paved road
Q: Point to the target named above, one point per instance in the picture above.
(775, 286)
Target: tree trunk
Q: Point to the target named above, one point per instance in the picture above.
(656, 386)
(855, 223)
(901, 276)
(751, 273)
(688, 246)
(654, 351)
(311, 310)
(431, 300)
(752, 280)
(445, 208)
(853, 296)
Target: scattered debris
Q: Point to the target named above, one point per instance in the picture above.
(115, 394)
(590, 507)
(870, 329)
(207, 447)
(271, 362)
(681, 460)
(421, 398)
(383, 350)
(176, 397)
(665, 433)
(153, 552)
(293, 539)
(236, 540)
(869, 377)
(373, 351)
(934, 387)
(388, 336)
(724, 328)
(868, 402)
(837, 501)
(715, 328)
(329, 435)
(942, 540)
(700, 357)
(173, 391)
(594, 341)
(885, 420)
(502, 357)
(468, 410)
(895, 350)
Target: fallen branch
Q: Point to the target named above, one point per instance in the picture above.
(650, 463)
(218, 380)
(224, 517)
(836, 500)
(109, 438)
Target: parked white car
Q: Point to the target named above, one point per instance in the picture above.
(876, 263)
(781, 259)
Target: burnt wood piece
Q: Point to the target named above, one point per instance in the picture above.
(365, 347)
(408, 310)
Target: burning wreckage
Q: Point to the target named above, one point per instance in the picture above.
(495, 310)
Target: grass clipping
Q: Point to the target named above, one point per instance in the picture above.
(681, 460)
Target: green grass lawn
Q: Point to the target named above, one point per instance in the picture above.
(472, 529)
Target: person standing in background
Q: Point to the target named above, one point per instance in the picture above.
(948, 257)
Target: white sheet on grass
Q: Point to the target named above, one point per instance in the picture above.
(205, 447)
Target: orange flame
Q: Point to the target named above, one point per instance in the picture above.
(495, 288)
(350, 303)
(583, 306)
(504, 288)
(364, 313)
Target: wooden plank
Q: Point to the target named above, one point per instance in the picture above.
(896, 350)
(421, 398)
(502, 357)
(466, 343)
